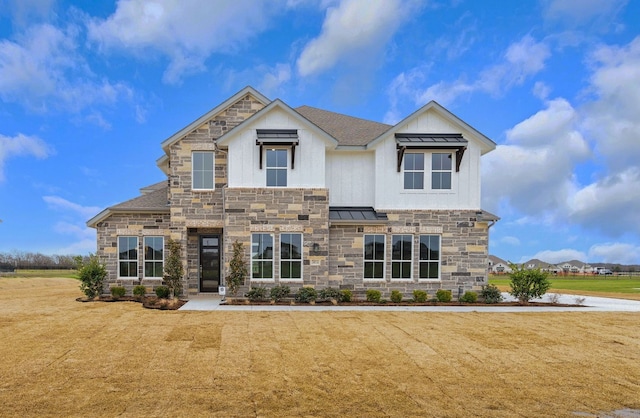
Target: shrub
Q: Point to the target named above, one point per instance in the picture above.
(491, 294)
(92, 276)
(443, 295)
(419, 296)
(306, 295)
(237, 269)
(118, 291)
(279, 292)
(374, 296)
(346, 295)
(256, 293)
(173, 268)
(396, 296)
(139, 291)
(528, 284)
(330, 293)
(162, 292)
(469, 297)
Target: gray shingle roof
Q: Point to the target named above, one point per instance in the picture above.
(156, 199)
(347, 130)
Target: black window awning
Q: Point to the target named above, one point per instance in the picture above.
(355, 215)
(430, 141)
(277, 138)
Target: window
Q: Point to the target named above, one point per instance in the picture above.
(261, 256)
(202, 171)
(441, 171)
(153, 256)
(276, 168)
(430, 257)
(401, 256)
(291, 256)
(127, 256)
(374, 256)
(414, 171)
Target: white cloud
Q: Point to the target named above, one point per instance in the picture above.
(21, 145)
(615, 253)
(42, 69)
(274, 78)
(521, 60)
(539, 158)
(187, 32)
(577, 13)
(610, 205)
(558, 256)
(510, 240)
(355, 31)
(59, 203)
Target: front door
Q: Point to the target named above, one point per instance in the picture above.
(209, 263)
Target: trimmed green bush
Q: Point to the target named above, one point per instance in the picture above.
(330, 293)
(306, 295)
(419, 296)
(396, 296)
(469, 297)
(528, 284)
(279, 292)
(374, 296)
(139, 291)
(491, 294)
(256, 294)
(92, 276)
(162, 292)
(118, 291)
(443, 295)
(346, 295)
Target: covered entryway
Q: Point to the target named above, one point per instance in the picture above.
(210, 262)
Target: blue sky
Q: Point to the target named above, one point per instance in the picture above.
(89, 90)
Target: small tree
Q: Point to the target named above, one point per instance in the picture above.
(528, 284)
(173, 268)
(92, 275)
(238, 269)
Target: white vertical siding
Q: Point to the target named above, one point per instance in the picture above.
(465, 184)
(351, 178)
(244, 155)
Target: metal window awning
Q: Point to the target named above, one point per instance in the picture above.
(355, 215)
(278, 137)
(431, 141)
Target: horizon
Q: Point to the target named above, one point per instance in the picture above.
(88, 92)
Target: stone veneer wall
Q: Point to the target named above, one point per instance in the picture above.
(201, 209)
(275, 210)
(134, 224)
(464, 252)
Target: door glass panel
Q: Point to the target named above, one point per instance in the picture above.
(209, 264)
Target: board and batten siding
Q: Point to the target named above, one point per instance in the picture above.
(465, 184)
(351, 178)
(244, 155)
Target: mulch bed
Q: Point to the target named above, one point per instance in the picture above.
(149, 302)
(244, 301)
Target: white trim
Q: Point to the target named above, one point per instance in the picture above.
(277, 168)
(384, 259)
(213, 170)
(406, 279)
(420, 261)
(137, 259)
(144, 257)
(273, 261)
(301, 260)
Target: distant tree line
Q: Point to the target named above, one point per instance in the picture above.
(22, 260)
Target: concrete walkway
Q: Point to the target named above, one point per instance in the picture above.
(590, 304)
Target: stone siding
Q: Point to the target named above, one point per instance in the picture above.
(138, 225)
(276, 211)
(463, 256)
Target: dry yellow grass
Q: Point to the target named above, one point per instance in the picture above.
(65, 358)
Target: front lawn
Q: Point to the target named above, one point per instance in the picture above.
(70, 274)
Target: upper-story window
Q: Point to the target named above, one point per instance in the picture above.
(414, 171)
(276, 167)
(441, 169)
(202, 170)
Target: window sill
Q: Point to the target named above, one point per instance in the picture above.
(402, 280)
(291, 280)
(263, 280)
(374, 280)
(429, 280)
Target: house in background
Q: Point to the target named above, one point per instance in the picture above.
(317, 198)
(498, 265)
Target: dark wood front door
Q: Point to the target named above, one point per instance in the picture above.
(209, 263)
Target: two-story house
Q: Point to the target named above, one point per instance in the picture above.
(317, 198)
